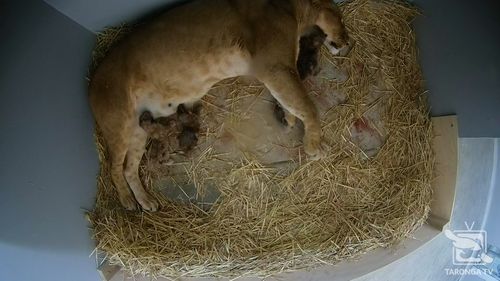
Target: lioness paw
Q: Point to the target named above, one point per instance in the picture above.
(148, 203)
(127, 200)
(316, 150)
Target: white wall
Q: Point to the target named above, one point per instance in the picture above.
(47, 155)
(459, 46)
(97, 14)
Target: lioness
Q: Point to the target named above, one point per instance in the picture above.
(177, 57)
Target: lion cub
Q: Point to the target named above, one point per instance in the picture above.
(186, 121)
(310, 46)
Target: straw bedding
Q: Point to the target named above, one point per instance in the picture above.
(268, 219)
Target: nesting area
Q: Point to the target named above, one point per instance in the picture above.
(246, 201)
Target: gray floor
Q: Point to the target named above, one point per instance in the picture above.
(49, 162)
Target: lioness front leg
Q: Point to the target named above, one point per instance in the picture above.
(284, 84)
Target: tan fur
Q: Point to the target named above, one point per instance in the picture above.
(177, 58)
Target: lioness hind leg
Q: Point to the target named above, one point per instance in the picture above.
(285, 85)
(136, 149)
(118, 151)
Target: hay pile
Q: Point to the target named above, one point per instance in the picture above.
(270, 220)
